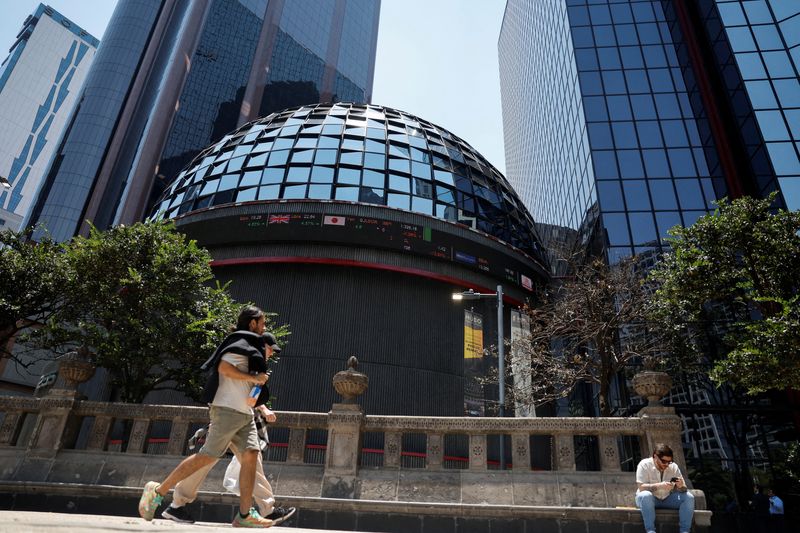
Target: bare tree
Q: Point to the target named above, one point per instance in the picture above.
(586, 328)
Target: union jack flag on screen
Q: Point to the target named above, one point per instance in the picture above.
(278, 219)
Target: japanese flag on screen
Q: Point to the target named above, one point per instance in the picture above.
(333, 220)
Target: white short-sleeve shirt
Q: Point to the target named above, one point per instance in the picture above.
(233, 393)
(647, 472)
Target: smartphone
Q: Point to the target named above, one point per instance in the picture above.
(674, 480)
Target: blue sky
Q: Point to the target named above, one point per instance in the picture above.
(437, 59)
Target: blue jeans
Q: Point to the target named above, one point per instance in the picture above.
(682, 501)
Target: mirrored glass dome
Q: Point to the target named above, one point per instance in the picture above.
(354, 153)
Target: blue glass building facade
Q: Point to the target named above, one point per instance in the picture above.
(188, 73)
(763, 38)
(625, 118)
(39, 81)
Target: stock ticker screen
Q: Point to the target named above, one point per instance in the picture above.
(363, 231)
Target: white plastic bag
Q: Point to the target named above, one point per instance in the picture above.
(231, 479)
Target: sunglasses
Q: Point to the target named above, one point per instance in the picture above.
(665, 461)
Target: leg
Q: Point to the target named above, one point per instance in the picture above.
(646, 502)
(154, 492)
(186, 490)
(187, 467)
(247, 477)
(684, 503)
(262, 490)
(686, 511)
(246, 440)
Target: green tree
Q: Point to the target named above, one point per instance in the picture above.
(728, 294)
(144, 300)
(32, 276)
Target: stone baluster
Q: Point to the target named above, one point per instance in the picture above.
(48, 435)
(521, 451)
(295, 454)
(477, 452)
(99, 434)
(178, 436)
(564, 452)
(435, 451)
(138, 439)
(609, 453)
(392, 448)
(9, 431)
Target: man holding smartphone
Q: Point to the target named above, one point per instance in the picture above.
(660, 485)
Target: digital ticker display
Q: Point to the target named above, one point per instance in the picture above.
(364, 231)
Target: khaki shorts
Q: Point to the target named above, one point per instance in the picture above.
(227, 427)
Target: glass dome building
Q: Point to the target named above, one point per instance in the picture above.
(355, 223)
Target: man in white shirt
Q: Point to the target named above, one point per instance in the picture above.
(186, 491)
(231, 420)
(660, 485)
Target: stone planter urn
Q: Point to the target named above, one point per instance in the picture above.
(350, 384)
(76, 368)
(652, 385)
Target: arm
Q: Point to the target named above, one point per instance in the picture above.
(680, 485)
(643, 479)
(229, 371)
(267, 413)
(653, 486)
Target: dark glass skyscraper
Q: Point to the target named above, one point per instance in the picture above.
(623, 118)
(172, 77)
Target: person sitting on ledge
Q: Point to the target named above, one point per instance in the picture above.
(660, 485)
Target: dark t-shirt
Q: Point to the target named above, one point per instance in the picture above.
(760, 504)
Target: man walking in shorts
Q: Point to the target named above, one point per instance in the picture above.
(231, 418)
(185, 492)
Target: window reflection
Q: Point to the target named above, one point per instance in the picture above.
(325, 152)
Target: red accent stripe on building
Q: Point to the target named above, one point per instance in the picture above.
(361, 264)
(732, 177)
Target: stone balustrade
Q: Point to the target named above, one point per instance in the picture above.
(54, 423)
(56, 419)
(317, 456)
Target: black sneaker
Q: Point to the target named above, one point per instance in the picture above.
(177, 514)
(280, 515)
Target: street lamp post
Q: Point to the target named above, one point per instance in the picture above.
(501, 364)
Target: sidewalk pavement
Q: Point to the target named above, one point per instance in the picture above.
(24, 521)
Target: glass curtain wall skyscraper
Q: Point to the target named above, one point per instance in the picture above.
(177, 76)
(627, 117)
(624, 118)
(39, 82)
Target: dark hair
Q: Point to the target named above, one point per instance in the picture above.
(662, 450)
(248, 313)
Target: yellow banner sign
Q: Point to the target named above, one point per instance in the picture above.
(473, 335)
